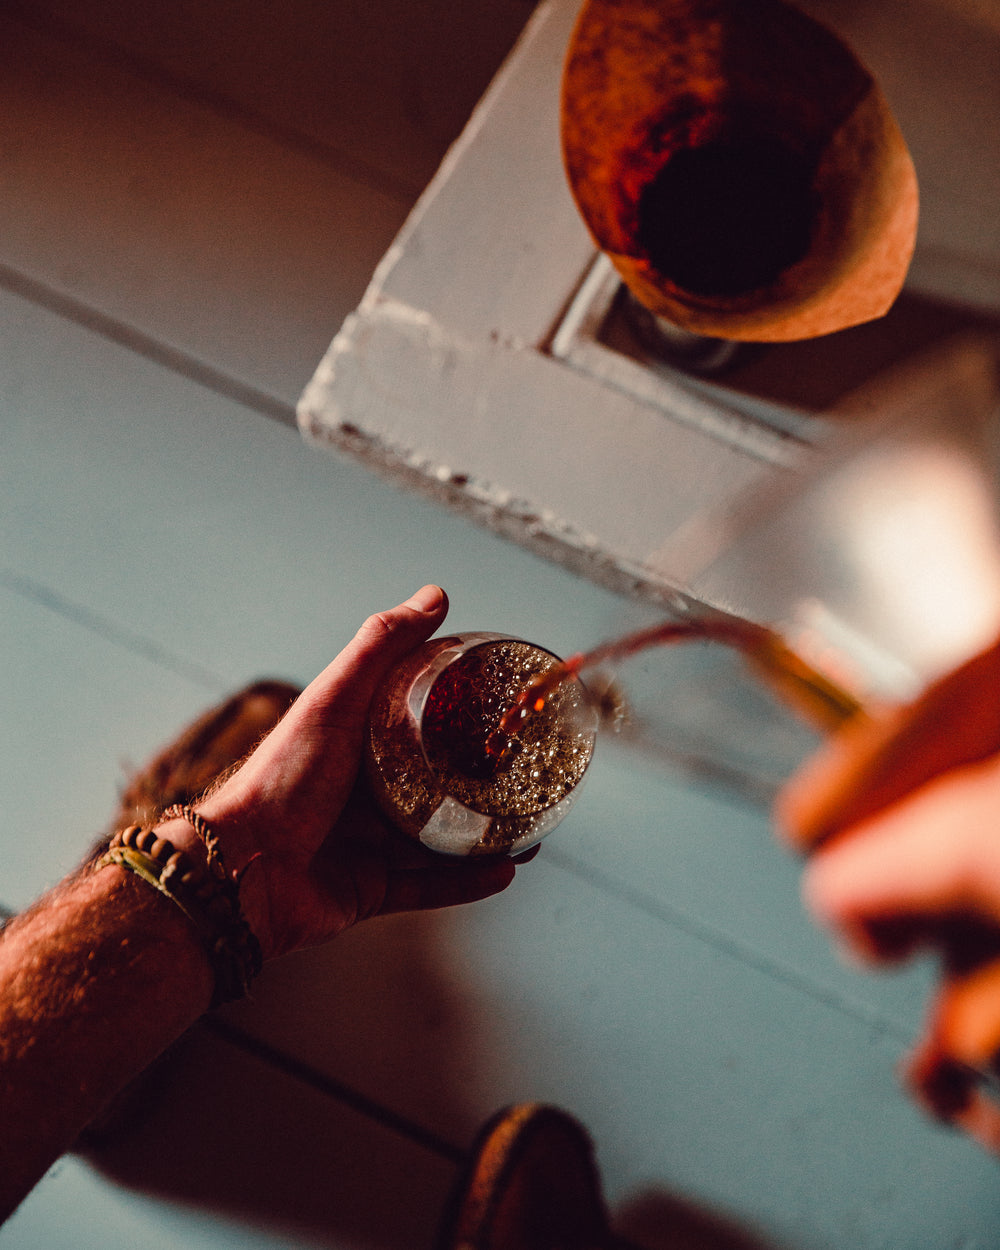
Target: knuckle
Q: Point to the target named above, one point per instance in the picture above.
(379, 626)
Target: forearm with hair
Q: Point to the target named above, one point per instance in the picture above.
(96, 979)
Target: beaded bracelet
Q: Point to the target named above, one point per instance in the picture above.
(209, 900)
(213, 851)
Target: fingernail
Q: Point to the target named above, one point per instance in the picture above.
(427, 599)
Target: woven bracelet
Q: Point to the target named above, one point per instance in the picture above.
(213, 852)
(210, 902)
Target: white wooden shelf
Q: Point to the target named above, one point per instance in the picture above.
(484, 368)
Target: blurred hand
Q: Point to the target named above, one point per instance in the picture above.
(318, 856)
(901, 817)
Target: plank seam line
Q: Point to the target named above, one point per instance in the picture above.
(145, 345)
(322, 1083)
(732, 947)
(110, 631)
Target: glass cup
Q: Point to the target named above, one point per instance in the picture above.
(428, 758)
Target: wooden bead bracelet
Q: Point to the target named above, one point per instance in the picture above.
(209, 899)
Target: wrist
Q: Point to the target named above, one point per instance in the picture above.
(126, 903)
(198, 885)
(222, 848)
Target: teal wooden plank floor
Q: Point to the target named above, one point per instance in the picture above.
(194, 196)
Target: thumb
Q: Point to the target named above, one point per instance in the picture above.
(386, 637)
(347, 685)
(334, 705)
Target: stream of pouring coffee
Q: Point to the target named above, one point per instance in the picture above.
(826, 705)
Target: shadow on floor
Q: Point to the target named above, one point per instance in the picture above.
(220, 1129)
(336, 1105)
(656, 1220)
(246, 1117)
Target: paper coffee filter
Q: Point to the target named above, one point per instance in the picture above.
(738, 164)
